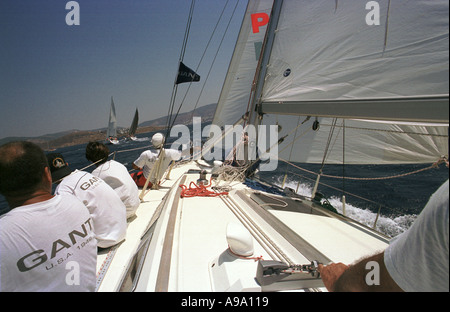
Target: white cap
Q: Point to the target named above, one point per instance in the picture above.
(157, 140)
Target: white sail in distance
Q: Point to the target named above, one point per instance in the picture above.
(112, 127)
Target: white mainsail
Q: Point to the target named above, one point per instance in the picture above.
(324, 60)
(327, 61)
(360, 141)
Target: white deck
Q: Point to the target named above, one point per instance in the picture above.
(195, 255)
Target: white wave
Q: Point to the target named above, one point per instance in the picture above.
(142, 139)
(390, 226)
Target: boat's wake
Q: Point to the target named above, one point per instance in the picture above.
(388, 225)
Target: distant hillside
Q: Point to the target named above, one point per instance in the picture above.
(75, 137)
(206, 112)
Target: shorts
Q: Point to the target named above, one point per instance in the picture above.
(139, 179)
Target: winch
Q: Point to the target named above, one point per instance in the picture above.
(297, 276)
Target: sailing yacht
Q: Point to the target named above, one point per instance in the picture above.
(134, 126)
(338, 89)
(111, 132)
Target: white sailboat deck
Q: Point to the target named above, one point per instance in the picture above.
(180, 244)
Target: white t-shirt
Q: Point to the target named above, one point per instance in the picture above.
(107, 210)
(147, 159)
(417, 259)
(48, 246)
(117, 177)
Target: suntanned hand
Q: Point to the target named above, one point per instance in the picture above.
(340, 277)
(331, 273)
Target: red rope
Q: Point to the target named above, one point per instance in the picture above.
(198, 190)
(243, 257)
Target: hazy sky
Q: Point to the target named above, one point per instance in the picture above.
(56, 77)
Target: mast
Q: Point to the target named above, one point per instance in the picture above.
(265, 57)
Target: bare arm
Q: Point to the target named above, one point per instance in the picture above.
(136, 167)
(369, 274)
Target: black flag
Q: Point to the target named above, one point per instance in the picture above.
(185, 74)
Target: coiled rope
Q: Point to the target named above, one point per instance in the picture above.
(198, 190)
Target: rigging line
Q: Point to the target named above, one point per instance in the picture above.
(327, 147)
(390, 131)
(343, 157)
(182, 53)
(435, 165)
(293, 143)
(295, 139)
(188, 28)
(339, 190)
(336, 137)
(212, 34)
(387, 27)
(200, 62)
(215, 56)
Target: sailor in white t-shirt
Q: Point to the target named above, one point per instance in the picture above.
(107, 209)
(115, 175)
(47, 242)
(418, 259)
(48, 246)
(148, 159)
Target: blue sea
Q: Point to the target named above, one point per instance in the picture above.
(399, 200)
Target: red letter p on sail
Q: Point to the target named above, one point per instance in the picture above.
(259, 20)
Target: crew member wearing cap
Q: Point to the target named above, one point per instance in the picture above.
(47, 242)
(147, 160)
(107, 209)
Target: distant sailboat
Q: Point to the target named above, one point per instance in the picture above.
(111, 132)
(134, 126)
